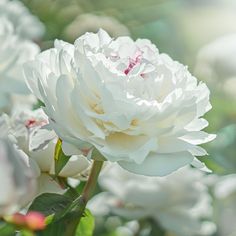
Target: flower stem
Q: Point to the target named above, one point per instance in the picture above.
(90, 185)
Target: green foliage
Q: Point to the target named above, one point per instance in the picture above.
(6, 229)
(86, 225)
(223, 150)
(63, 216)
(50, 203)
(65, 226)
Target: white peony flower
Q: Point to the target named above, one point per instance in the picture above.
(178, 202)
(29, 129)
(136, 106)
(225, 205)
(24, 23)
(18, 178)
(14, 51)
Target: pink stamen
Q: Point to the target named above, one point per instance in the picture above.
(33, 122)
(85, 151)
(30, 123)
(132, 64)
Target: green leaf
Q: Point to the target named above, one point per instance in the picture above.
(86, 226)
(65, 226)
(26, 232)
(60, 158)
(50, 203)
(7, 229)
(38, 105)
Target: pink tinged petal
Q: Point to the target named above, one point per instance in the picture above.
(159, 164)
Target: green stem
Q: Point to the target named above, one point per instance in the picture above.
(89, 187)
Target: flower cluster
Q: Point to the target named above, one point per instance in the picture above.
(18, 178)
(14, 52)
(37, 142)
(100, 99)
(178, 202)
(24, 23)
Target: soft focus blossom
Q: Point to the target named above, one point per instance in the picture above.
(24, 23)
(92, 23)
(32, 220)
(178, 202)
(39, 144)
(225, 206)
(216, 61)
(14, 51)
(18, 178)
(135, 105)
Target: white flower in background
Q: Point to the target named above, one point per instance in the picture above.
(24, 23)
(216, 62)
(136, 106)
(18, 178)
(92, 23)
(27, 127)
(178, 202)
(225, 205)
(14, 51)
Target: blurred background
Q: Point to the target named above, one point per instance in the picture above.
(198, 33)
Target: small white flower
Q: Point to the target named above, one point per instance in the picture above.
(14, 51)
(225, 205)
(29, 129)
(18, 178)
(136, 106)
(178, 202)
(24, 23)
(216, 61)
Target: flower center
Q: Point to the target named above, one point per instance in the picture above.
(30, 123)
(133, 63)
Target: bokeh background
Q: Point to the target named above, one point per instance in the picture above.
(198, 33)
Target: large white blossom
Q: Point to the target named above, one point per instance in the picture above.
(14, 51)
(136, 106)
(24, 23)
(18, 176)
(225, 205)
(178, 202)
